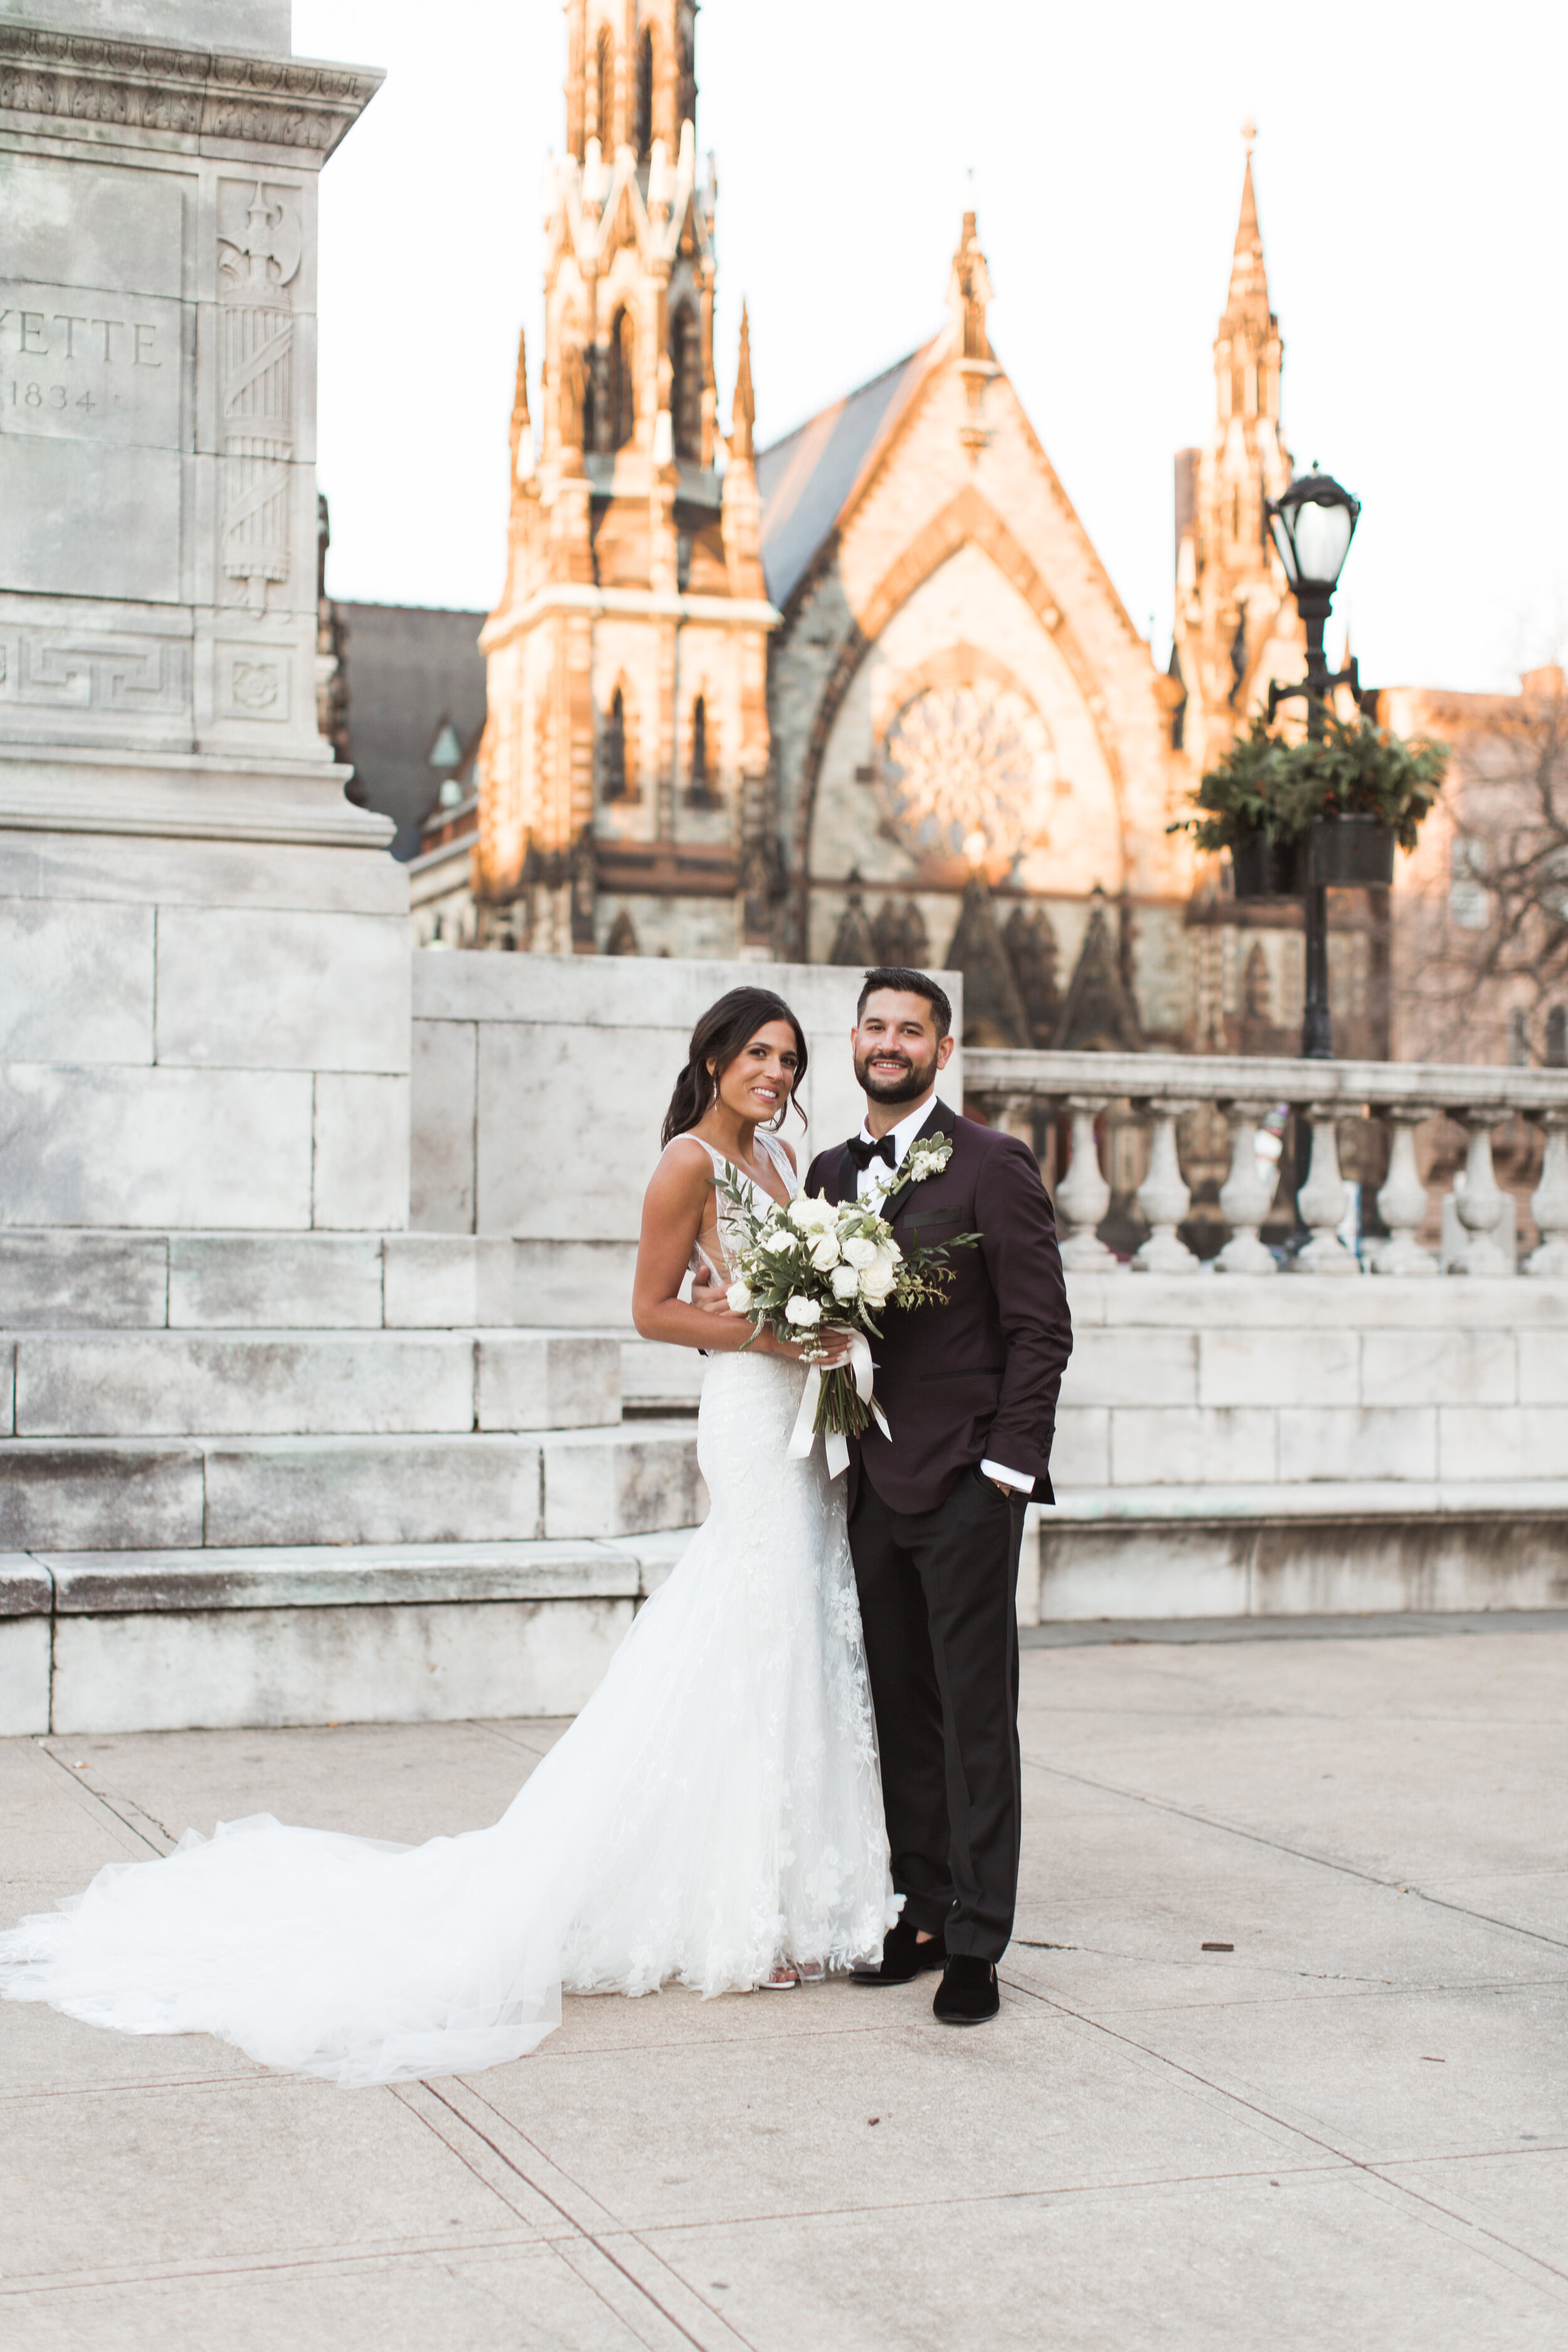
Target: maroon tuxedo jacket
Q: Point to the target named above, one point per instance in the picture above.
(978, 1376)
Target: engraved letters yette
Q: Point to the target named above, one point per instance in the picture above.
(256, 268)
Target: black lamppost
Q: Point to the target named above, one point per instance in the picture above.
(1313, 524)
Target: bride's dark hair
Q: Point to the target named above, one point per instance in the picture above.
(725, 1030)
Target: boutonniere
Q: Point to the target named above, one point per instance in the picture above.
(927, 1157)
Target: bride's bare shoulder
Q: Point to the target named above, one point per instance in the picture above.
(684, 1170)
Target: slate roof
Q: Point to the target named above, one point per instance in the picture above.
(807, 479)
(411, 671)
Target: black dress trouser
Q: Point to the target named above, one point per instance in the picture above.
(938, 1605)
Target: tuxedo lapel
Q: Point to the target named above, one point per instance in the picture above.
(897, 1199)
(847, 1181)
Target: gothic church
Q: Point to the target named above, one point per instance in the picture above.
(868, 692)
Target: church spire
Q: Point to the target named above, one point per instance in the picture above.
(1235, 623)
(522, 424)
(969, 292)
(744, 415)
(1247, 317)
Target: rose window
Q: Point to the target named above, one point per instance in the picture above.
(968, 771)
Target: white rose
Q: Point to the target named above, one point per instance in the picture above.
(845, 1282)
(811, 1215)
(824, 1253)
(779, 1244)
(888, 1254)
(738, 1297)
(804, 1312)
(877, 1283)
(859, 1251)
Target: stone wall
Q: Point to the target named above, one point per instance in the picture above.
(540, 1084)
(1275, 1445)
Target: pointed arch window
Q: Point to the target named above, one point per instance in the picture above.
(590, 365)
(687, 60)
(686, 384)
(605, 79)
(613, 751)
(644, 95)
(621, 401)
(702, 794)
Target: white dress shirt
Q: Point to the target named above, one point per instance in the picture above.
(873, 1177)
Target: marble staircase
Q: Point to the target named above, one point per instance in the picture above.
(311, 1477)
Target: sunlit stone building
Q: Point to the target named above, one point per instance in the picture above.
(868, 691)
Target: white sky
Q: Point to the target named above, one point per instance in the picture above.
(1410, 191)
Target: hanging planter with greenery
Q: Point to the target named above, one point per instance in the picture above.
(1329, 811)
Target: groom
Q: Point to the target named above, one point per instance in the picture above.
(936, 1513)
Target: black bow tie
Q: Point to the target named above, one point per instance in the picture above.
(863, 1153)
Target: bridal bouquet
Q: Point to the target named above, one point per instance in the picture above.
(807, 1269)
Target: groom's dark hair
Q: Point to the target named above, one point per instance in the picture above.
(908, 982)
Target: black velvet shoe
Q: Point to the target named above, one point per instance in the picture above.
(903, 1956)
(968, 1992)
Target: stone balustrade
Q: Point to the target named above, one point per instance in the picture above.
(1157, 1089)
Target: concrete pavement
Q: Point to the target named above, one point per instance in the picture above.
(1349, 2130)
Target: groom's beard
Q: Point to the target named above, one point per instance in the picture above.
(917, 1080)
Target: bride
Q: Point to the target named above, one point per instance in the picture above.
(714, 1817)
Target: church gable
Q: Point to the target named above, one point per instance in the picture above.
(957, 689)
(964, 742)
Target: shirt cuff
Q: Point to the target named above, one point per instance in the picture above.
(1026, 1484)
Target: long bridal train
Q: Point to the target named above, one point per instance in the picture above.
(715, 1808)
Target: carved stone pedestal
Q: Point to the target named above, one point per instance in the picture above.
(204, 960)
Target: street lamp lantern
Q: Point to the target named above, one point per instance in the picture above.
(1313, 524)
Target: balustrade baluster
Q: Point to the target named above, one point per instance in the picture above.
(1099, 1093)
(1083, 1196)
(1549, 1202)
(1164, 1199)
(1480, 1206)
(1324, 1200)
(1401, 1203)
(1246, 1197)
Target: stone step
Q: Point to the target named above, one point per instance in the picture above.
(176, 1640)
(69, 1279)
(656, 1378)
(83, 1494)
(201, 1383)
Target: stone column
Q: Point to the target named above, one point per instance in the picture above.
(1480, 1206)
(1245, 1197)
(1164, 1199)
(1323, 1200)
(1550, 1199)
(1083, 1197)
(1401, 1203)
(203, 952)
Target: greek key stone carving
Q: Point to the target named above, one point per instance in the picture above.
(82, 670)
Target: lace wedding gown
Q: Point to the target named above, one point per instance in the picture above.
(715, 1809)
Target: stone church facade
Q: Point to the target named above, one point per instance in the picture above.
(870, 692)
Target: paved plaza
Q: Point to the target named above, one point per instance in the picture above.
(1345, 2128)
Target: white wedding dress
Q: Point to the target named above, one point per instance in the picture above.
(714, 1811)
